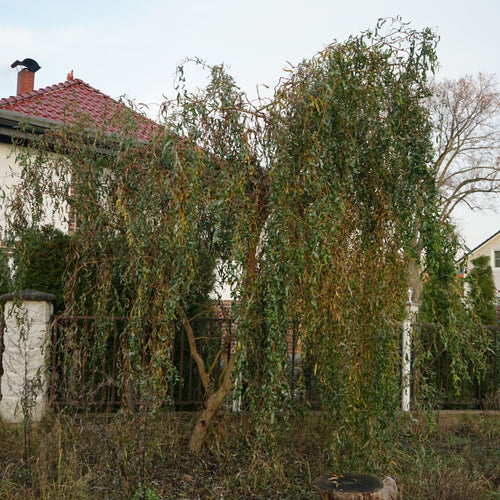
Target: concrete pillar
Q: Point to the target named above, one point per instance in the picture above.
(26, 346)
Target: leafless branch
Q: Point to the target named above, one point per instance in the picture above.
(466, 116)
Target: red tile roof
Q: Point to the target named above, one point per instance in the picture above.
(66, 102)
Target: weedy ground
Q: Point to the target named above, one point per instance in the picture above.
(111, 457)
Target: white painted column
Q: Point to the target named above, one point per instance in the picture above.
(24, 361)
(406, 352)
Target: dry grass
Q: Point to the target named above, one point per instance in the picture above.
(460, 460)
(114, 458)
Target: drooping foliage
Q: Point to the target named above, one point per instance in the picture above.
(350, 187)
(5, 272)
(136, 214)
(310, 205)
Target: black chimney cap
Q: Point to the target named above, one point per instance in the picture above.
(29, 64)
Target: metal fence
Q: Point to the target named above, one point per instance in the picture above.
(432, 363)
(87, 374)
(87, 354)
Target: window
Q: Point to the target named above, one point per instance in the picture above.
(496, 258)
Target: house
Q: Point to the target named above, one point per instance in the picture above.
(57, 104)
(491, 248)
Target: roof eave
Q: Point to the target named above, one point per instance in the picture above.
(18, 126)
(483, 243)
(11, 122)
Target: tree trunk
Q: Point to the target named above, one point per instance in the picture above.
(211, 407)
(356, 487)
(215, 399)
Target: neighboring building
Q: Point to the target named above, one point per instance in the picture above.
(490, 248)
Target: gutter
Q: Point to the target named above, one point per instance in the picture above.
(11, 122)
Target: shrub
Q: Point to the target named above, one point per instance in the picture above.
(40, 262)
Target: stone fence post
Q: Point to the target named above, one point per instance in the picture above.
(25, 340)
(408, 326)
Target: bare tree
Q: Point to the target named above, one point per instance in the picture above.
(466, 116)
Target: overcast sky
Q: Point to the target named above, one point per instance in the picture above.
(132, 48)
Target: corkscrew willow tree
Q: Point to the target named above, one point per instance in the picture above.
(350, 187)
(309, 203)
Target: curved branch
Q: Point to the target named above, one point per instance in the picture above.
(204, 375)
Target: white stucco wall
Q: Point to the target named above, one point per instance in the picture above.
(5, 162)
(10, 175)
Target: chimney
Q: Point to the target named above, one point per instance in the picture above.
(26, 77)
(25, 81)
